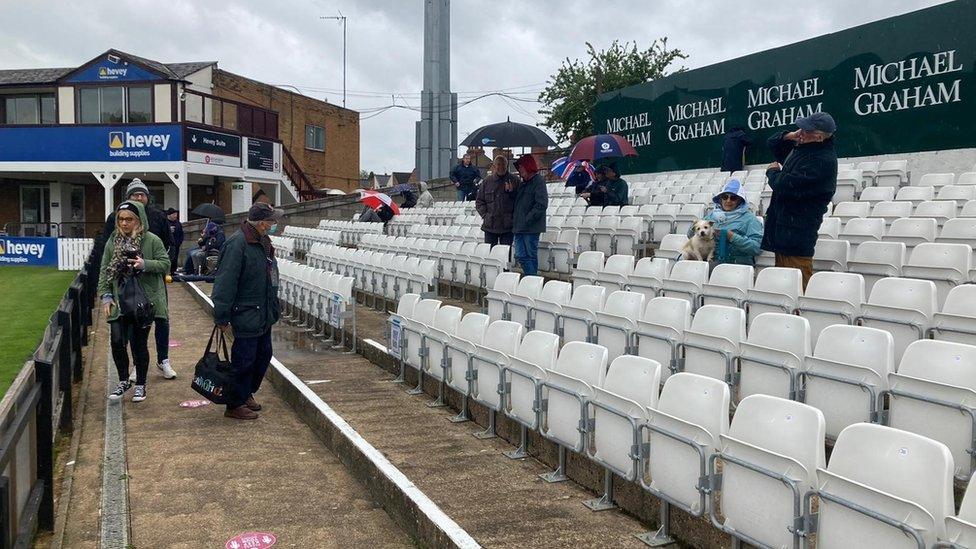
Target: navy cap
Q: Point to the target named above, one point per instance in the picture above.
(818, 121)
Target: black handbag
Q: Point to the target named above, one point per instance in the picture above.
(134, 304)
(213, 376)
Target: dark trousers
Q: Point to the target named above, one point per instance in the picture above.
(162, 339)
(250, 357)
(125, 333)
(174, 258)
(498, 238)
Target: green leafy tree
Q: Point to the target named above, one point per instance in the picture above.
(570, 94)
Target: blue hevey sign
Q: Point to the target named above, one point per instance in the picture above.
(28, 251)
(111, 68)
(153, 143)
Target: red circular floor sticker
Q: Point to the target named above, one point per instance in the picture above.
(175, 343)
(251, 540)
(194, 403)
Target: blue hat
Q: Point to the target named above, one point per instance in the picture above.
(818, 121)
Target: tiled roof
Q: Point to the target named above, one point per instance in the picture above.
(174, 71)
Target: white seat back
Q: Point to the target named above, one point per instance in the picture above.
(712, 341)
(728, 284)
(877, 260)
(776, 291)
(536, 353)
(957, 320)
(772, 355)
(631, 388)
(580, 367)
(661, 330)
(831, 298)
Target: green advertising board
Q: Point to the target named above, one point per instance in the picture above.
(902, 84)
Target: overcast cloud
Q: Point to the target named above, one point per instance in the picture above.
(512, 45)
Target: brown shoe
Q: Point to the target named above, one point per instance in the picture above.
(241, 412)
(252, 404)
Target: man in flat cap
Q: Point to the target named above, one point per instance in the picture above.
(803, 179)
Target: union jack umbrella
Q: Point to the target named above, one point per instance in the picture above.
(376, 199)
(563, 167)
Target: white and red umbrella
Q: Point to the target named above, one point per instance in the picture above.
(376, 199)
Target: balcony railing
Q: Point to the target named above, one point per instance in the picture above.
(217, 112)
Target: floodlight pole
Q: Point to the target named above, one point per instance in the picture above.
(342, 19)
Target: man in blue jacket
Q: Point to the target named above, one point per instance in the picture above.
(465, 177)
(803, 179)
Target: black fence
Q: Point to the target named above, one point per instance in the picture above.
(35, 409)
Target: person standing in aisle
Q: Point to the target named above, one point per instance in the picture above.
(529, 219)
(496, 203)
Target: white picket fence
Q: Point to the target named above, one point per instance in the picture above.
(72, 253)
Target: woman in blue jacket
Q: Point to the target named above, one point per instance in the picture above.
(739, 230)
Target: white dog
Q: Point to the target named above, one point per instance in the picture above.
(701, 245)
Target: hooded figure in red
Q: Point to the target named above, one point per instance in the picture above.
(529, 219)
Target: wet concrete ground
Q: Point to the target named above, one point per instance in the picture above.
(198, 479)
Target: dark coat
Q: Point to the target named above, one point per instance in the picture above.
(245, 290)
(465, 177)
(176, 234)
(531, 201)
(801, 192)
(579, 180)
(733, 145)
(495, 205)
(615, 195)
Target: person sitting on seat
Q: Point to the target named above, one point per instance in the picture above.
(738, 231)
(209, 244)
(608, 189)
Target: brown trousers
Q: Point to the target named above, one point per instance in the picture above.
(805, 264)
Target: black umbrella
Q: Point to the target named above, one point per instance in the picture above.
(508, 134)
(211, 211)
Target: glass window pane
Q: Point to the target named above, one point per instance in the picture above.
(88, 106)
(10, 110)
(27, 110)
(112, 111)
(193, 105)
(48, 115)
(140, 105)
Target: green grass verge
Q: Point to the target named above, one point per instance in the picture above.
(28, 297)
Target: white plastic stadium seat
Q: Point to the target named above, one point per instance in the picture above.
(890, 211)
(461, 347)
(846, 211)
(892, 173)
(957, 320)
(847, 374)
(831, 255)
(615, 324)
(661, 330)
(686, 280)
(446, 322)
(934, 382)
(648, 276)
(961, 529)
(831, 298)
(915, 195)
(783, 438)
(501, 341)
(414, 328)
(904, 477)
(544, 310)
(536, 354)
(616, 272)
(877, 260)
(576, 317)
(671, 245)
(580, 367)
(771, 357)
(712, 342)
(588, 267)
(902, 306)
(873, 195)
(863, 229)
(946, 265)
(935, 180)
(500, 294)
(830, 227)
(776, 291)
(728, 285)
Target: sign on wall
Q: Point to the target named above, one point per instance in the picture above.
(111, 68)
(263, 155)
(149, 143)
(209, 147)
(42, 251)
(902, 84)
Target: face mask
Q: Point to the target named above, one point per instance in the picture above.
(273, 229)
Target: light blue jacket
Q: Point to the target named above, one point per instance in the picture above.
(747, 230)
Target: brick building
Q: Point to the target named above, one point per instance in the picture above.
(72, 138)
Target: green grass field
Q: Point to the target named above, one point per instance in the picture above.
(28, 297)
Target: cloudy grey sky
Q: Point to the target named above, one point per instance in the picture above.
(512, 45)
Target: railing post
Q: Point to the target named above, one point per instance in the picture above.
(65, 356)
(5, 513)
(44, 374)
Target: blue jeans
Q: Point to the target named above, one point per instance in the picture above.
(249, 357)
(527, 252)
(462, 195)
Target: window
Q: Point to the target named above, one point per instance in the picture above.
(140, 105)
(115, 105)
(35, 108)
(314, 138)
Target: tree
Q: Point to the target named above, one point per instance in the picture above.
(570, 94)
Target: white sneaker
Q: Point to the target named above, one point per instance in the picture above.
(132, 376)
(167, 370)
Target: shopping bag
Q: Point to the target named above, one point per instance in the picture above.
(213, 376)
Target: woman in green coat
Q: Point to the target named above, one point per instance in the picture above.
(132, 251)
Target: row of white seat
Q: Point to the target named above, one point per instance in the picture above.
(464, 262)
(304, 237)
(314, 296)
(384, 275)
(351, 231)
(284, 246)
(670, 441)
(889, 210)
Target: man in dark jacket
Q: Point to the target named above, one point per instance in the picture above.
(245, 298)
(529, 220)
(176, 238)
(159, 226)
(803, 180)
(609, 190)
(734, 149)
(579, 179)
(465, 177)
(496, 204)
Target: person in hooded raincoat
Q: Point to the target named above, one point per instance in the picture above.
(739, 230)
(425, 200)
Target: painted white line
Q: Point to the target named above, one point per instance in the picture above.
(317, 381)
(452, 529)
(379, 346)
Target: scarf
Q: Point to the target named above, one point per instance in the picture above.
(722, 217)
(252, 236)
(118, 265)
